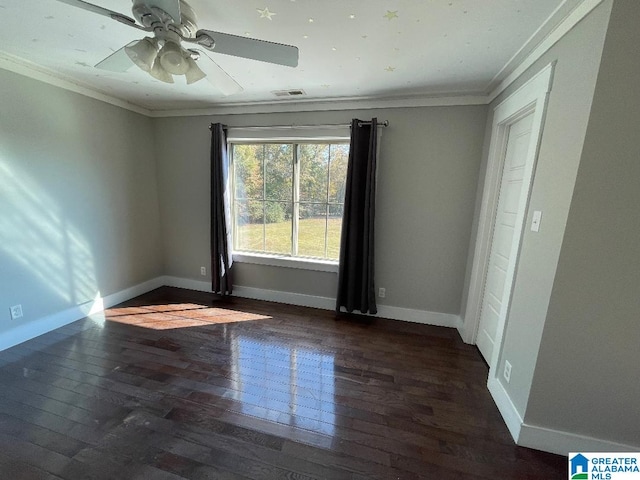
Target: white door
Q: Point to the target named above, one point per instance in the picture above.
(504, 243)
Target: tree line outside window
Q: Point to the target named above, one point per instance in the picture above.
(288, 198)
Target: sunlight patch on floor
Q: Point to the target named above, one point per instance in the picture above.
(177, 315)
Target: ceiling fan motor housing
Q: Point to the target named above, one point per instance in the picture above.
(152, 14)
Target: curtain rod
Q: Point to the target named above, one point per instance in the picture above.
(384, 123)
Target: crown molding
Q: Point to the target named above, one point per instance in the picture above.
(508, 74)
(336, 103)
(553, 20)
(50, 77)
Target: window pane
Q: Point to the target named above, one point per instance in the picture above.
(338, 172)
(334, 231)
(278, 229)
(311, 232)
(263, 198)
(314, 161)
(279, 171)
(247, 161)
(249, 217)
(311, 210)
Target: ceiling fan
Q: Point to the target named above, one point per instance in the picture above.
(162, 55)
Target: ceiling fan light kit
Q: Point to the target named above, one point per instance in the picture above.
(143, 52)
(160, 73)
(173, 58)
(162, 56)
(194, 73)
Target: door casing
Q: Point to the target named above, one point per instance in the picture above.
(529, 98)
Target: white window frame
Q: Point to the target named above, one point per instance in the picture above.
(242, 136)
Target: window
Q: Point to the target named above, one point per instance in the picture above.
(288, 197)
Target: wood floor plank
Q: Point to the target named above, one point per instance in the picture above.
(227, 437)
(16, 470)
(177, 384)
(22, 431)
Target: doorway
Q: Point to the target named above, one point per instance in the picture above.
(496, 288)
(515, 137)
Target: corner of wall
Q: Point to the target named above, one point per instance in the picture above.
(48, 323)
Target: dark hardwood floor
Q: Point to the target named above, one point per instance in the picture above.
(177, 384)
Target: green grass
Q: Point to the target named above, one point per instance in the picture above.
(311, 238)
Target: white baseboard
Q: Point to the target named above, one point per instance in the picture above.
(547, 439)
(38, 327)
(419, 316)
(561, 443)
(26, 331)
(131, 292)
(506, 407)
(466, 336)
(313, 301)
(188, 283)
(277, 296)
(325, 303)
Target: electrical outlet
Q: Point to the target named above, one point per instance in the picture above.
(203, 271)
(507, 371)
(16, 312)
(382, 292)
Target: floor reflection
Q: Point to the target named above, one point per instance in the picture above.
(288, 385)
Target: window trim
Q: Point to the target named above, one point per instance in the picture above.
(301, 263)
(282, 260)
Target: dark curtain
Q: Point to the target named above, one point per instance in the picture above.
(221, 259)
(356, 289)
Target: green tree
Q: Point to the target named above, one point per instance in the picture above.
(338, 172)
(263, 182)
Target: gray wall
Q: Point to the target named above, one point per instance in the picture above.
(427, 180)
(572, 332)
(78, 200)
(578, 57)
(587, 379)
(82, 189)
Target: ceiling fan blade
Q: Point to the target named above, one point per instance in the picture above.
(118, 61)
(100, 10)
(217, 76)
(252, 48)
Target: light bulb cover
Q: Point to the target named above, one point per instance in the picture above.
(174, 59)
(143, 53)
(194, 73)
(160, 73)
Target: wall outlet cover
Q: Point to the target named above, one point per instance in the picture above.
(16, 312)
(507, 371)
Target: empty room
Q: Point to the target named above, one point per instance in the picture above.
(318, 240)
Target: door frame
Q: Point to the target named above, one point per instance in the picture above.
(529, 98)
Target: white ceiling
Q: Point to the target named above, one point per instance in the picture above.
(348, 48)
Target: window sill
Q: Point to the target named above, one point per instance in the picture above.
(287, 262)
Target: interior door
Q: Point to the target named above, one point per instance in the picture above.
(503, 245)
